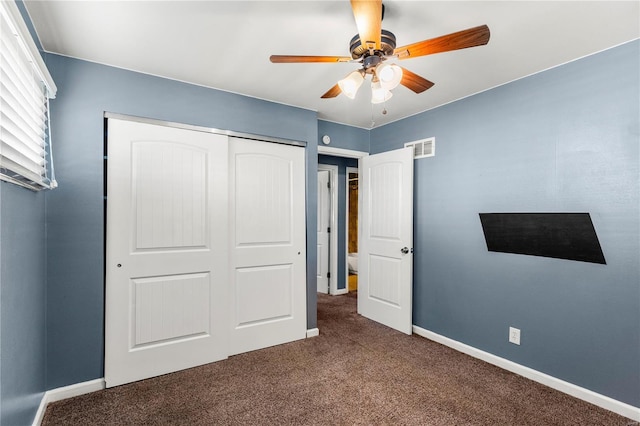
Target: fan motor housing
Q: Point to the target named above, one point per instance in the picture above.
(387, 45)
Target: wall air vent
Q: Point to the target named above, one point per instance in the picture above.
(423, 148)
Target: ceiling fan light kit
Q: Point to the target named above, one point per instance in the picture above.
(379, 94)
(351, 83)
(372, 46)
(389, 75)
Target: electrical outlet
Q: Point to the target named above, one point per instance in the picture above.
(514, 335)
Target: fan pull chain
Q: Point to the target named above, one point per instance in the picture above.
(373, 123)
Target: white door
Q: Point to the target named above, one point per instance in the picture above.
(386, 239)
(324, 213)
(167, 258)
(268, 252)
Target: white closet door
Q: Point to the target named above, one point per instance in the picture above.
(167, 260)
(268, 252)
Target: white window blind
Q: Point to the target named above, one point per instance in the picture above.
(25, 89)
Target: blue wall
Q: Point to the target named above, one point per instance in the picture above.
(22, 297)
(22, 303)
(565, 140)
(342, 136)
(75, 303)
(342, 164)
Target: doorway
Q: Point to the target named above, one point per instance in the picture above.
(339, 161)
(385, 236)
(351, 226)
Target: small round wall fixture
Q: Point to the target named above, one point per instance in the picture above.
(326, 140)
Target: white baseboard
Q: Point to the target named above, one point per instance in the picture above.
(340, 291)
(579, 392)
(313, 332)
(65, 392)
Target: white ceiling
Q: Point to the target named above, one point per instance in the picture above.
(227, 44)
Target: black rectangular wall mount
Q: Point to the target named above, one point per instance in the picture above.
(568, 236)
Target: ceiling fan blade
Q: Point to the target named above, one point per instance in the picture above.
(471, 37)
(368, 14)
(286, 59)
(332, 93)
(414, 81)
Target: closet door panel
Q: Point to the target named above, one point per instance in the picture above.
(268, 253)
(167, 258)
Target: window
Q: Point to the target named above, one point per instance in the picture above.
(25, 89)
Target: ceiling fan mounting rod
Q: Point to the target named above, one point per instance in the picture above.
(359, 49)
(370, 62)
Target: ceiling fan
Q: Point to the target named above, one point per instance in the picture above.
(373, 47)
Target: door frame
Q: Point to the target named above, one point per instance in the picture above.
(346, 220)
(344, 153)
(333, 224)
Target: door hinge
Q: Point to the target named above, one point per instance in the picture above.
(329, 230)
(328, 274)
(329, 185)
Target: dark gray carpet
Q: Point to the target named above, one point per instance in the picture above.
(356, 372)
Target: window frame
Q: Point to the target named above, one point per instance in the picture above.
(25, 137)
